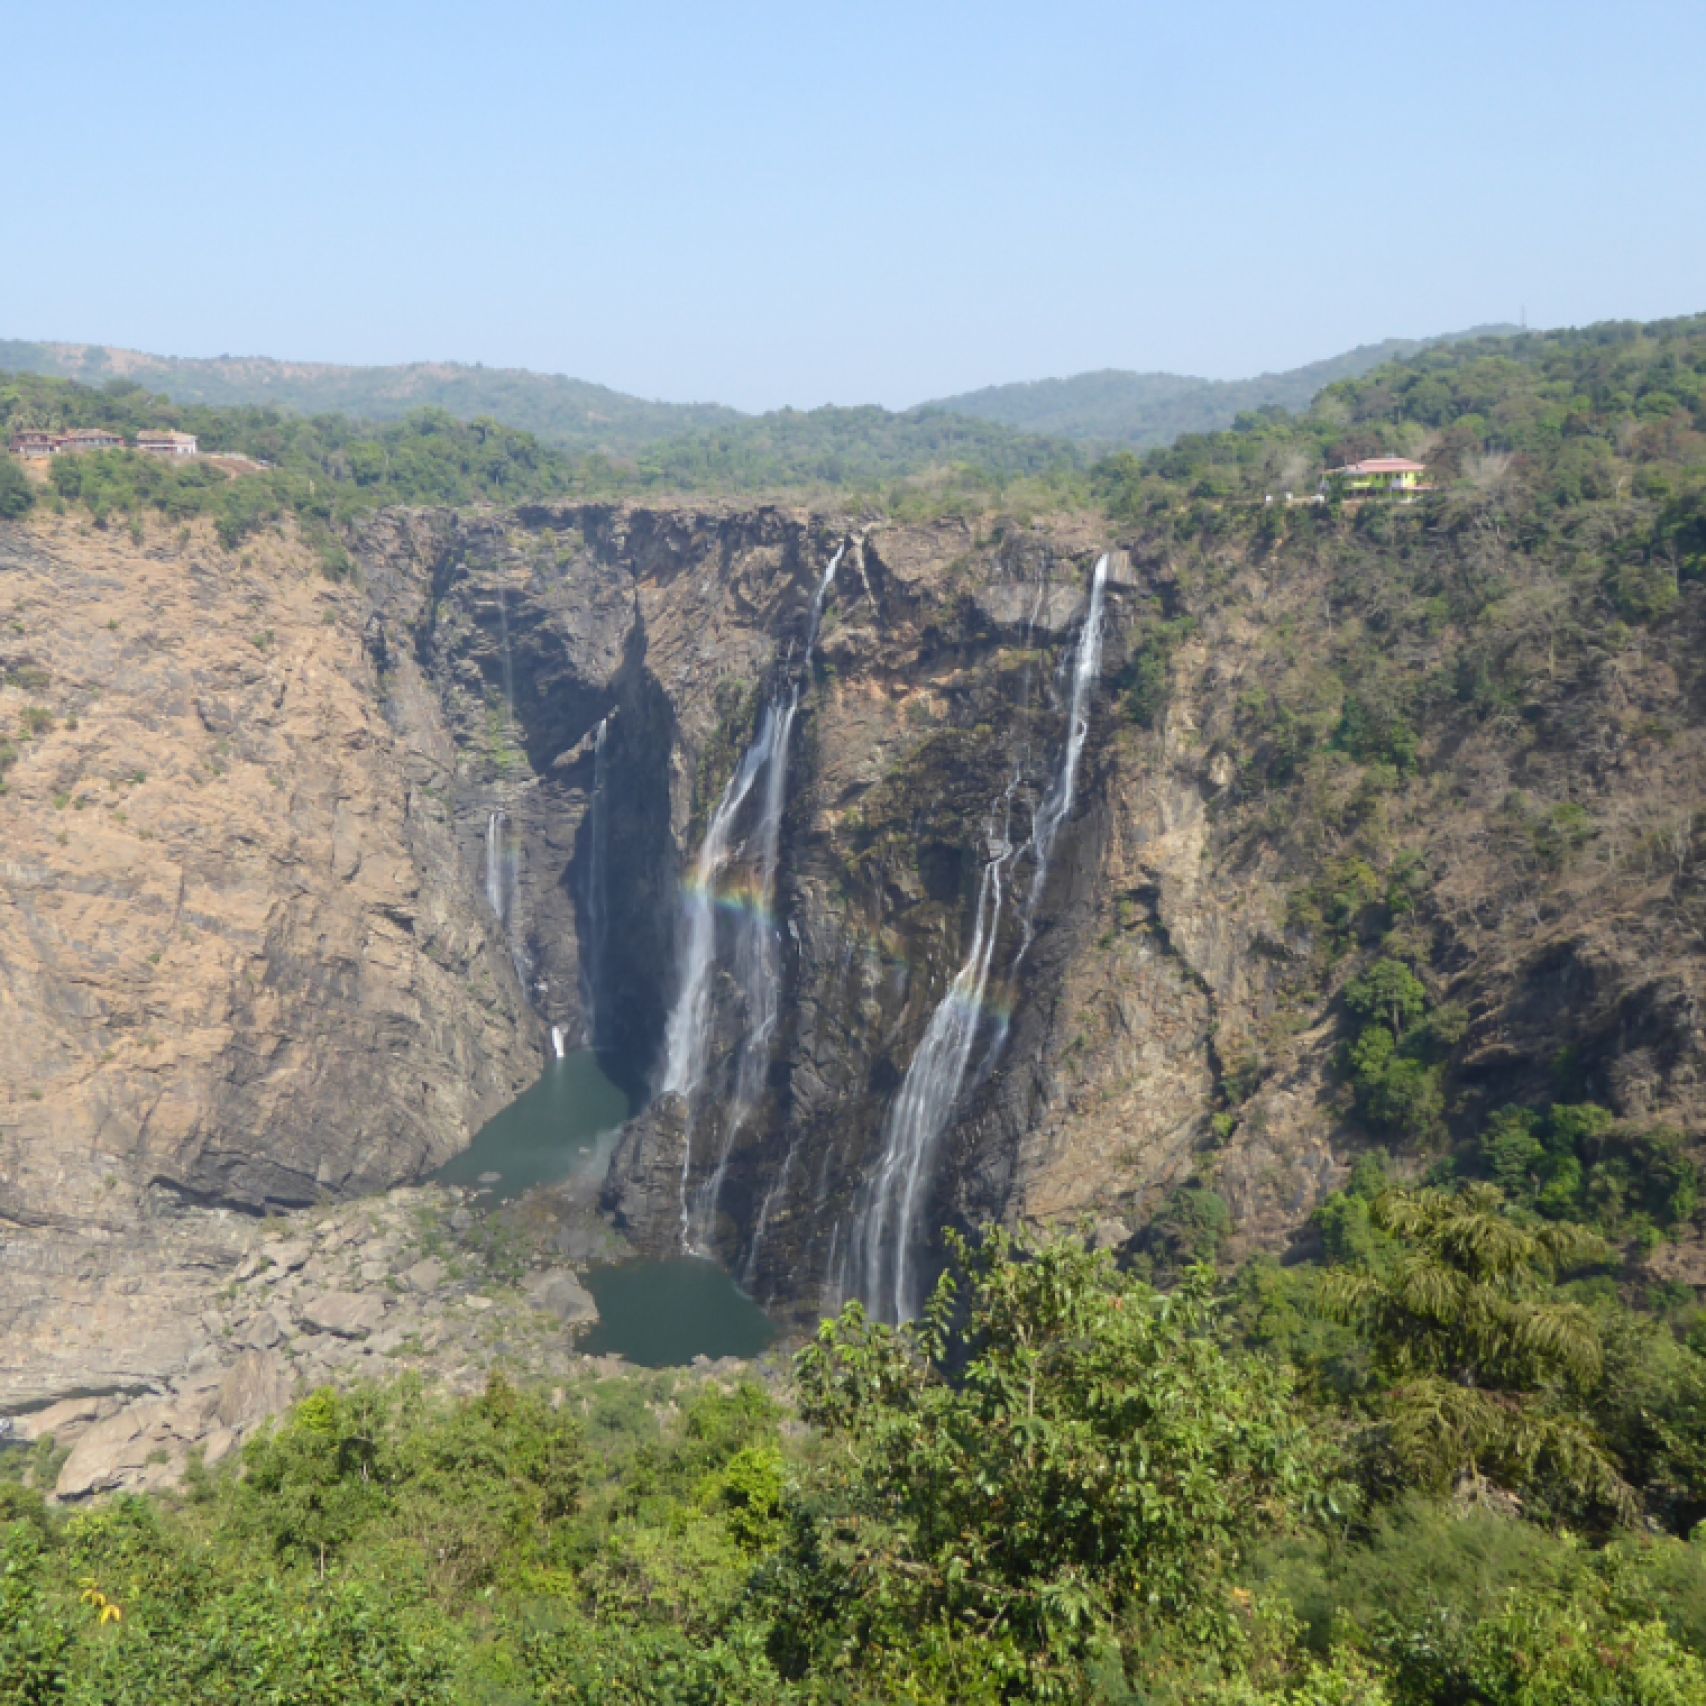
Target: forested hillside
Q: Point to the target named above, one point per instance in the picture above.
(328, 467)
(831, 445)
(1144, 410)
(561, 411)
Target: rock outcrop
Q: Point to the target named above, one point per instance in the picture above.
(241, 967)
(324, 1297)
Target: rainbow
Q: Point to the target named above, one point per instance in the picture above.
(997, 1005)
(741, 896)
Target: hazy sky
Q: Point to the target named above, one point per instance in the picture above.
(811, 203)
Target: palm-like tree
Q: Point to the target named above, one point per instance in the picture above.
(1485, 1368)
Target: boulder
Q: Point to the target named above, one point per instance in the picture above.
(559, 1292)
(261, 1332)
(348, 1314)
(218, 1446)
(425, 1275)
(257, 1385)
(61, 1420)
(112, 1452)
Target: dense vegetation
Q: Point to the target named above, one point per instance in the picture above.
(1535, 430)
(1423, 1474)
(1138, 409)
(1145, 410)
(322, 469)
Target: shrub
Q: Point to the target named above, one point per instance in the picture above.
(16, 492)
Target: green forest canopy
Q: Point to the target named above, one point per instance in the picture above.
(1064, 1484)
(1139, 409)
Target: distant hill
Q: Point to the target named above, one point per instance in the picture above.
(1109, 408)
(568, 412)
(1145, 410)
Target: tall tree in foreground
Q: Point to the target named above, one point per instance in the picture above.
(1037, 1476)
(1484, 1370)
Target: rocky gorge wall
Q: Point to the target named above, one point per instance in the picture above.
(935, 692)
(249, 958)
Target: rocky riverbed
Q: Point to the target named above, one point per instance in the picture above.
(418, 1279)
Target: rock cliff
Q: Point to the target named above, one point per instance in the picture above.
(301, 874)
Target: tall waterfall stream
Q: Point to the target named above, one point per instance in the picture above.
(881, 1262)
(734, 886)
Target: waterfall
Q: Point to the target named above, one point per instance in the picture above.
(557, 1040)
(503, 857)
(497, 885)
(883, 1252)
(597, 892)
(734, 879)
(881, 1261)
(1057, 803)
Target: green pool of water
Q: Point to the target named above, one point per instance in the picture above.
(661, 1314)
(567, 1122)
(655, 1313)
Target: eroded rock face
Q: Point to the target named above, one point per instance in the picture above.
(301, 876)
(241, 966)
(330, 1296)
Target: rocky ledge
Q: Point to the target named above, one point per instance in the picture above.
(414, 1280)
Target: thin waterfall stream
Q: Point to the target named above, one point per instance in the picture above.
(497, 896)
(1057, 803)
(503, 865)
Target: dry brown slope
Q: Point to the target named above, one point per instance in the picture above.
(236, 956)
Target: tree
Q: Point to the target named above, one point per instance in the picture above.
(1486, 1371)
(16, 492)
(32, 1642)
(1390, 993)
(1067, 1453)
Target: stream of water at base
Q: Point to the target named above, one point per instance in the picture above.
(655, 1313)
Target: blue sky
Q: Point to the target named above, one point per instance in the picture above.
(810, 203)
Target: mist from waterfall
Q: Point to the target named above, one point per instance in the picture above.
(730, 926)
(882, 1261)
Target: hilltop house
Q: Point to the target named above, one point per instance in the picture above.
(167, 443)
(1377, 474)
(90, 438)
(35, 442)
